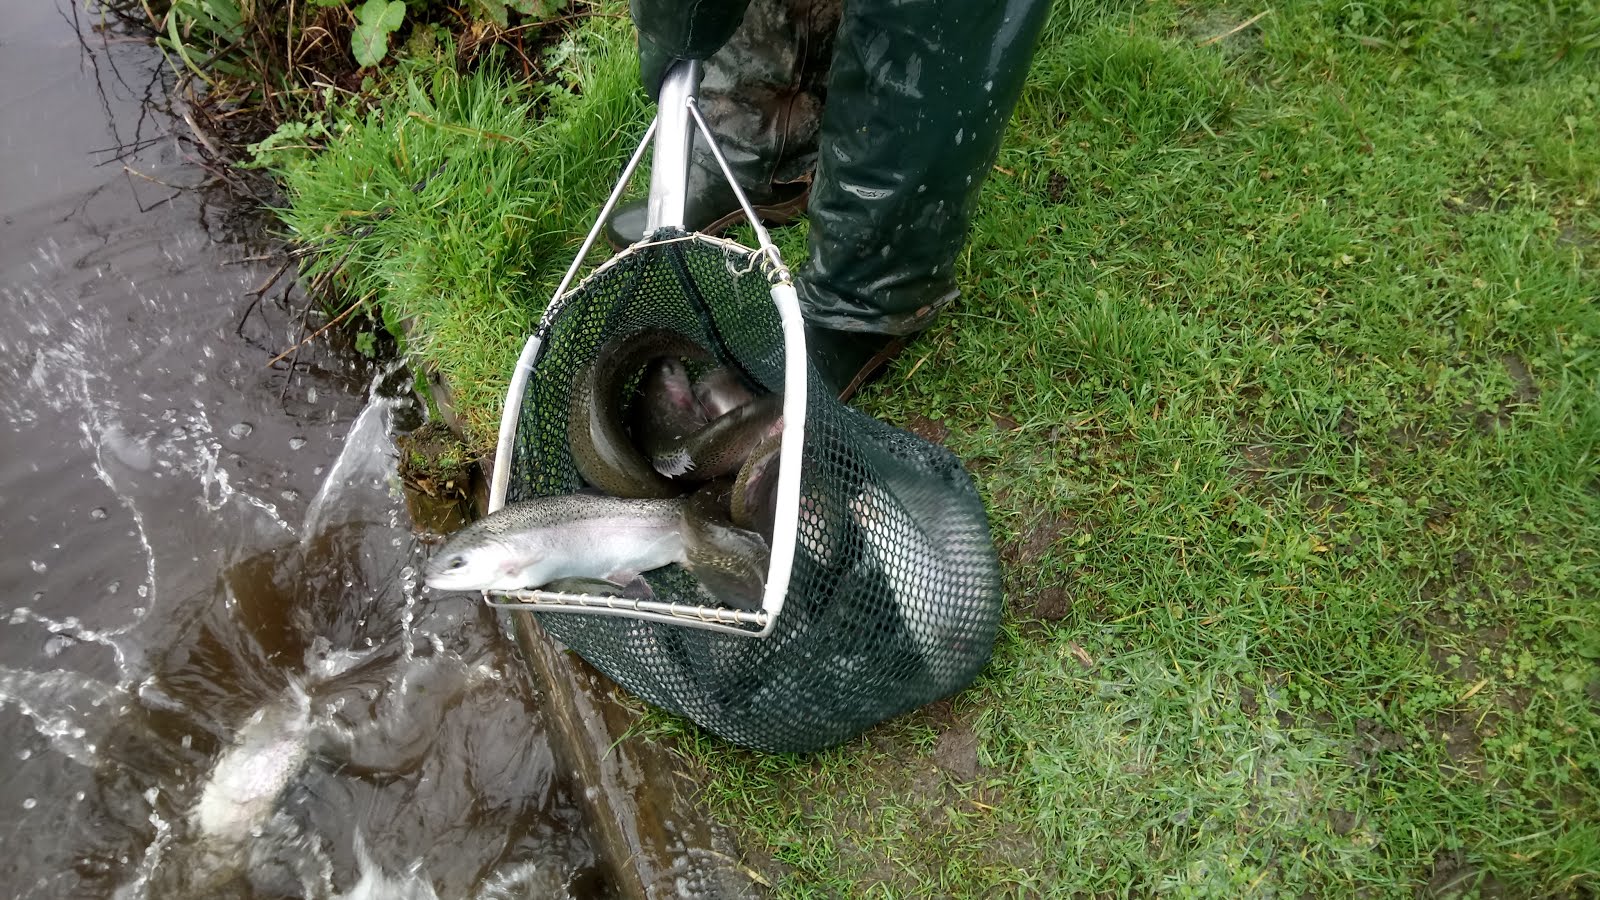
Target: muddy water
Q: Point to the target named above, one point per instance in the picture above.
(219, 676)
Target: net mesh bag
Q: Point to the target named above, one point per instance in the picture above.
(895, 595)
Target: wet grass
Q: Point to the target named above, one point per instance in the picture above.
(457, 202)
(1279, 367)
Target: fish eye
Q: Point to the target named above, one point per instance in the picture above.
(457, 562)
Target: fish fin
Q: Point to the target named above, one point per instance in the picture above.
(633, 585)
(675, 464)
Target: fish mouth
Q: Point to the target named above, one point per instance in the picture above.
(452, 581)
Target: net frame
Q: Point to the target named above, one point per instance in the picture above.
(670, 135)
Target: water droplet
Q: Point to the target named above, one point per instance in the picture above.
(113, 587)
(78, 796)
(296, 443)
(37, 596)
(99, 512)
(144, 590)
(24, 753)
(311, 395)
(241, 430)
(29, 803)
(37, 566)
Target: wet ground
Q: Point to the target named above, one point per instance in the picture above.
(219, 675)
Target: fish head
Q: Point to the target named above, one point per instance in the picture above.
(487, 566)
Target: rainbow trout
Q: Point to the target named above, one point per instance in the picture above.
(583, 542)
(534, 542)
(753, 500)
(722, 446)
(720, 392)
(666, 409)
(730, 562)
(601, 449)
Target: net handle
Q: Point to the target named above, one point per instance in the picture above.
(668, 193)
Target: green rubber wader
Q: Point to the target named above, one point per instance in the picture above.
(913, 109)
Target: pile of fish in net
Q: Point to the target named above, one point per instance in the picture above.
(645, 430)
(645, 445)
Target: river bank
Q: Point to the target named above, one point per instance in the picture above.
(1276, 368)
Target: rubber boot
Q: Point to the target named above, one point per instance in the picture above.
(761, 92)
(917, 102)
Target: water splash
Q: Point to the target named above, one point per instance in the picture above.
(72, 711)
(367, 461)
(138, 888)
(375, 884)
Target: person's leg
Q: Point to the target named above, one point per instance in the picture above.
(918, 98)
(761, 93)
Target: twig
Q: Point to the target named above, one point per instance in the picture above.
(462, 129)
(1237, 28)
(316, 334)
(261, 292)
(201, 135)
(288, 378)
(131, 171)
(1366, 142)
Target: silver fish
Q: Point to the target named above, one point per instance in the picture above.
(665, 409)
(599, 443)
(268, 752)
(724, 444)
(720, 391)
(730, 562)
(914, 550)
(534, 542)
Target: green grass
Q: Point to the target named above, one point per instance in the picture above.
(457, 202)
(1279, 361)
(1300, 333)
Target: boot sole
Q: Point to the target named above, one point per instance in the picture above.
(873, 368)
(775, 214)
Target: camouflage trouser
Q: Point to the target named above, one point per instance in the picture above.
(896, 107)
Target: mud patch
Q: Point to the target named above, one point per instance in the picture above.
(1454, 876)
(1463, 740)
(435, 462)
(956, 752)
(931, 430)
(1456, 652)
(1342, 821)
(1057, 188)
(1035, 541)
(1028, 602)
(437, 474)
(1045, 606)
(1259, 460)
(1373, 743)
